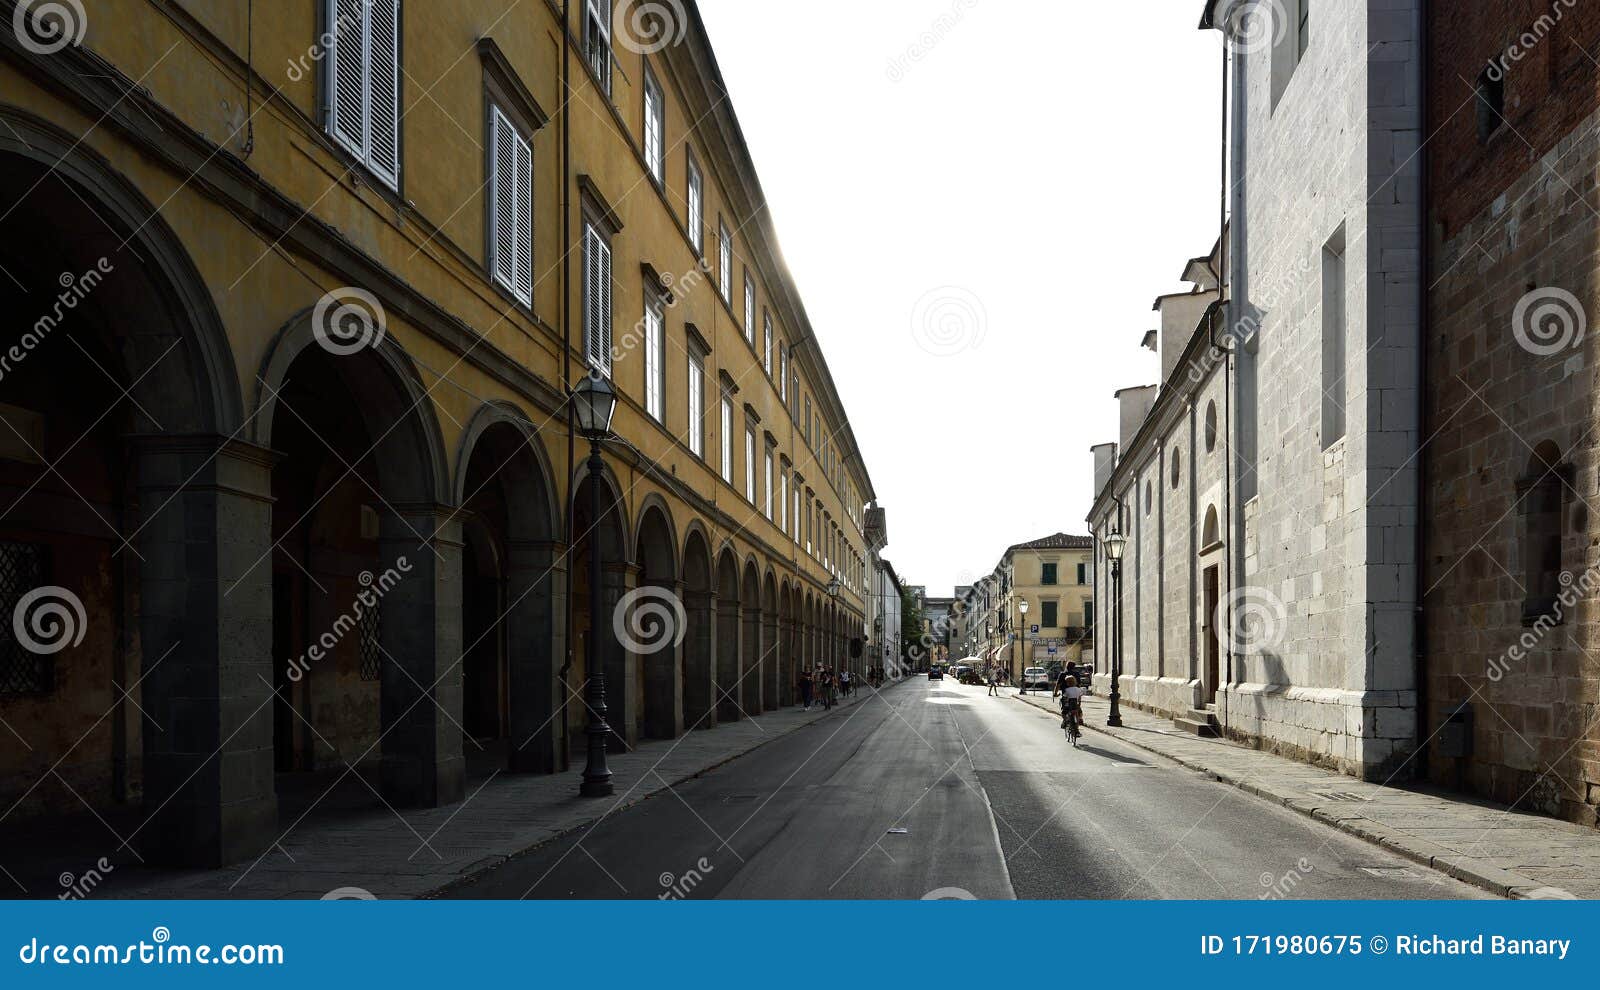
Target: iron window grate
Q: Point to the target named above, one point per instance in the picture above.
(23, 673)
(371, 656)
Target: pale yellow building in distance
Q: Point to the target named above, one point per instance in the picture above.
(1055, 577)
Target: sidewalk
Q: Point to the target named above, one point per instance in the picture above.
(400, 854)
(1507, 852)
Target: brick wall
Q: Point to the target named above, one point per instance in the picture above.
(1512, 216)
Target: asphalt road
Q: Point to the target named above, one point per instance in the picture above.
(993, 802)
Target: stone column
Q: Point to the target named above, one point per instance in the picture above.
(700, 662)
(752, 667)
(419, 629)
(536, 633)
(205, 626)
(730, 637)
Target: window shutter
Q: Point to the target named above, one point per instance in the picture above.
(347, 75)
(524, 215)
(591, 300)
(383, 129)
(502, 201)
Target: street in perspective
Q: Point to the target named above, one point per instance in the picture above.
(547, 451)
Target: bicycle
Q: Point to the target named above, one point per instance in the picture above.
(1074, 731)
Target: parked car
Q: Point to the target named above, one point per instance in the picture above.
(1036, 677)
(935, 674)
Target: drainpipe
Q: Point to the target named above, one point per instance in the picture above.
(1232, 146)
(1419, 632)
(566, 359)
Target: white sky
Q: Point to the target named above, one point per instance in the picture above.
(1053, 163)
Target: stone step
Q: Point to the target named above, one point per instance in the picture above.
(1207, 715)
(1196, 727)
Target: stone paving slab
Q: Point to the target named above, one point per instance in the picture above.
(417, 852)
(1504, 851)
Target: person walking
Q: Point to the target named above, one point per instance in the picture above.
(994, 683)
(805, 689)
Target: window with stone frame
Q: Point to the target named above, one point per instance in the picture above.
(1541, 495)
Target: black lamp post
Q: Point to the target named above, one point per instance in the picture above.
(1022, 646)
(1114, 544)
(593, 402)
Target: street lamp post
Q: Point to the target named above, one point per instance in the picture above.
(593, 402)
(1022, 646)
(833, 632)
(1115, 543)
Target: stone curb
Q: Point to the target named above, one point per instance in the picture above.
(640, 795)
(1467, 869)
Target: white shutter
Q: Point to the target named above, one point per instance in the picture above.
(524, 215)
(347, 73)
(383, 111)
(502, 201)
(597, 301)
(653, 346)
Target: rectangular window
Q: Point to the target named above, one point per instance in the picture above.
(766, 347)
(749, 308)
(808, 421)
(1047, 615)
(783, 501)
(1048, 574)
(783, 374)
(655, 350)
(1088, 615)
(697, 206)
(697, 407)
(597, 39)
(655, 128)
(725, 261)
(750, 466)
(24, 672)
(363, 83)
(510, 208)
(766, 491)
(1334, 392)
(796, 498)
(1083, 573)
(596, 300)
(727, 439)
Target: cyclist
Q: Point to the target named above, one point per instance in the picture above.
(1071, 700)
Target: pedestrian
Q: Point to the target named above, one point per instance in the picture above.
(844, 683)
(994, 682)
(805, 689)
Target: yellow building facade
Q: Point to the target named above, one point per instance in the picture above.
(295, 296)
